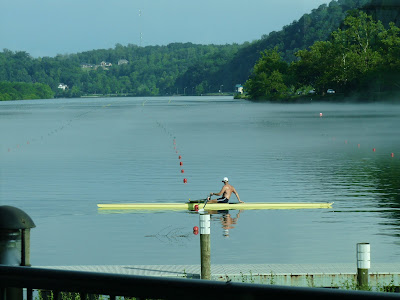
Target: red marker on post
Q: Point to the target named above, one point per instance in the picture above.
(195, 230)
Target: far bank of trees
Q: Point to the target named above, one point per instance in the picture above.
(303, 56)
(23, 91)
(361, 59)
(146, 71)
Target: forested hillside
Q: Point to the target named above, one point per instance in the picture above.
(300, 34)
(132, 70)
(361, 60)
(384, 10)
(181, 68)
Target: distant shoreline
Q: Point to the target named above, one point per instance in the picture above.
(378, 97)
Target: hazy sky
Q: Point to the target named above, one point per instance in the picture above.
(50, 27)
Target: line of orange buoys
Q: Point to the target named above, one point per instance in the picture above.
(180, 160)
(54, 131)
(174, 143)
(177, 152)
(42, 137)
(358, 145)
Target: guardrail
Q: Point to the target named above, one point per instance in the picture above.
(89, 283)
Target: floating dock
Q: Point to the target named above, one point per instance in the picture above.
(301, 275)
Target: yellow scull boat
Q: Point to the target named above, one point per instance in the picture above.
(214, 206)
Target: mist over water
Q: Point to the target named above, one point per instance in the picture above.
(59, 158)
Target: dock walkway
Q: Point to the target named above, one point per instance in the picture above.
(307, 275)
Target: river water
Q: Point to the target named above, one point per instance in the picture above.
(59, 158)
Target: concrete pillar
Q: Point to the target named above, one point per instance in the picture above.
(363, 265)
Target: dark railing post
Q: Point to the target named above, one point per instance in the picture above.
(15, 227)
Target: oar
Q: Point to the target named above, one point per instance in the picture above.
(202, 209)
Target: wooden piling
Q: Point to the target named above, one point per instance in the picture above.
(205, 246)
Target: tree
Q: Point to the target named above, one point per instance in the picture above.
(356, 50)
(22, 91)
(311, 68)
(391, 46)
(350, 60)
(267, 80)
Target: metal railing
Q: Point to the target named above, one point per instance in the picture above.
(89, 283)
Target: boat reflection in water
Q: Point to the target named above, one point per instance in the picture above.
(228, 222)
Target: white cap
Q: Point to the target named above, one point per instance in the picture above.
(225, 179)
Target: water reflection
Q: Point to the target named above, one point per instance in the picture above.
(373, 188)
(172, 235)
(388, 193)
(228, 222)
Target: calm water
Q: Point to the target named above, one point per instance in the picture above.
(59, 158)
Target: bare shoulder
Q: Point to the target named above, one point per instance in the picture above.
(231, 187)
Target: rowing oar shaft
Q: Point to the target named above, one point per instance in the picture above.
(205, 203)
(205, 248)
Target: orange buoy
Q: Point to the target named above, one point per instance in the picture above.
(196, 229)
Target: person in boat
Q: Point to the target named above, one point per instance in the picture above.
(225, 193)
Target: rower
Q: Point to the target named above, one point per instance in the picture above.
(225, 193)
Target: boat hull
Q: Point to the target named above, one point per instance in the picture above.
(214, 206)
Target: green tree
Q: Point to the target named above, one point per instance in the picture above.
(356, 50)
(267, 80)
(390, 52)
(350, 60)
(23, 91)
(311, 68)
